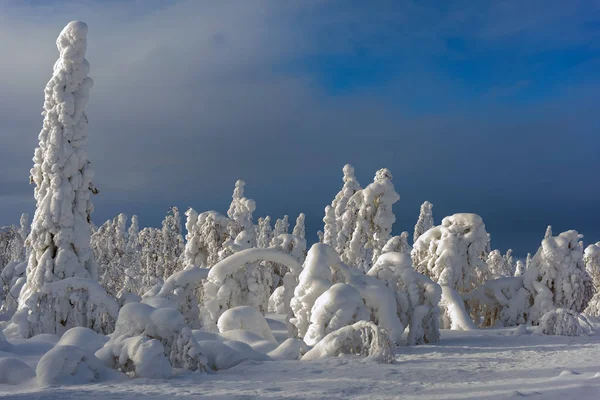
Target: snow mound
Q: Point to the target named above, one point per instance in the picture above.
(291, 349)
(277, 301)
(64, 365)
(221, 356)
(246, 318)
(247, 350)
(564, 322)
(364, 339)
(14, 371)
(83, 337)
(520, 330)
(255, 341)
(145, 333)
(340, 306)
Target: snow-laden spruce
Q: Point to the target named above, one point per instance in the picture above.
(60, 231)
(425, 221)
(343, 228)
(557, 277)
(564, 322)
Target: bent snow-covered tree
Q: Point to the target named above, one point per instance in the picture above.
(62, 290)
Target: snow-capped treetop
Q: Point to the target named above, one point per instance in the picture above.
(299, 229)
(558, 266)
(24, 226)
(241, 208)
(265, 232)
(497, 264)
(350, 187)
(450, 253)
(509, 262)
(398, 244)
(425, 221)
(282, 226)
(591, 259)
(133, 233)
(548, 232)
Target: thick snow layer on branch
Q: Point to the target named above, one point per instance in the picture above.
(363, 339)
(247, 318)
(455, 317)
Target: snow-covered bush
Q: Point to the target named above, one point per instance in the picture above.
(247, 318)
(564, 322)
(14, 371)
(290, 349)
(84, 338)
(277, 301)
(417, 296)
(557, 277)
(425, 221)
(13, 279)
(398, 244)
(62, 173)
(449, 253)
(363, 339)
(65, 365)
(341, 305)
(145, 337)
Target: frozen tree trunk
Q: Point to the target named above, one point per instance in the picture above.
(62, 173)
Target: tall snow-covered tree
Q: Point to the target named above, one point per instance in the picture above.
(520, 268)
(557, 277)
(497, 264)
(591, 259)
(425, 221)
(371, 214)
(172, 243)
(62, 272)
(509, 262)
(340, 205)
(299, 229)
(240, 211)
(265, 232)
(548, 232)
(398, 244)
(330, 230)
(282, 226)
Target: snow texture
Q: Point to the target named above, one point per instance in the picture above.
(247, 318)
(13, 371)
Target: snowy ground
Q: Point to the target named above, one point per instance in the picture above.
(484, 364)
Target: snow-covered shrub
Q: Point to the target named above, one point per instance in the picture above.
(341, 305)
(247, 318)
(84, 338)
(557, 277)
(62, 173)
(13, 279)
(290, 349)
(425, 221)
(564, 322)
(449, 253)
(145, 335)
(14, 371)
(369, 218)
(363, 339)
(417, 296)
(277, 301)
(228, 285)
(256, 342)
(65, 365)
(503, 300)
(220, 356)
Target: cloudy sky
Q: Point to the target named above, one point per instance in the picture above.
(488, 107)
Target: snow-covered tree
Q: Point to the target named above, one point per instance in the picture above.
(345, 218)
(171, 244)
(206, 236)
(591, 259)
(265, 232)
(62, 290)
(330, 230)
(398, 244)
(282, 226)
(299, 229)
(548, 233)
(520, 268)
(499, 264)
(509, 262)
(557, 277)
(370, 212)
(425, 221)
(449, 253)
(240, 210)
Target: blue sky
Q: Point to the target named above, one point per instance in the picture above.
(485, 107)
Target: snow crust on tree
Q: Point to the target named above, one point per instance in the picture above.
(341, 305)
(241, 209)
(564, 322)
(70, 365)
(369, 219)
(226, 287)
(172, 243)
(62, 173)
(417, 296)
(277, 301)
(148, 341)
(548, 233)
(425, 221)
(14, 371)
(13, 279)
(557, 277)
(449, 253)
(247, 318)
(364, 339)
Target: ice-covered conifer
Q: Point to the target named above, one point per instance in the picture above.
(528, 260)
(520, 268)
(240, 211)
(171, 244)
(425, 221)
(398, 244)
(344, 217)
(330, 230)
(265, 232)
(548, 232)
(591, 259)
(497, 264)
(60, 232)
(509, 262)
(299, 229)
(282, 226)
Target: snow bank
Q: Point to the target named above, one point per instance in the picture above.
(144, 334)
(64, 365)
(565, 323)
(247, 318)
(253, 340)
(14, 371)
(85, 338)
(364, 339)
(339, 306)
